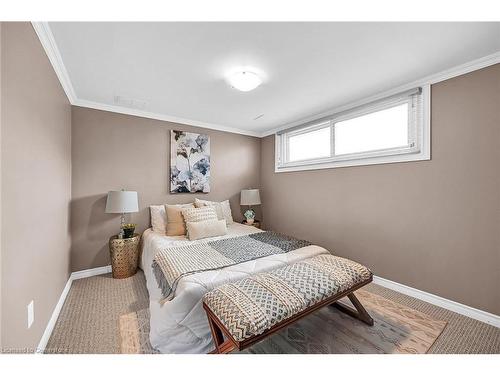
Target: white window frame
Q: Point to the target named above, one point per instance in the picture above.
(418, 134)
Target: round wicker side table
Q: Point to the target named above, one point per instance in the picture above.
(124, 255)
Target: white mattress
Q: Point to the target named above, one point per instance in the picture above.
(180, 325)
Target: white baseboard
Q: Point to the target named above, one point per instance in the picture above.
(53, 319)
(90, 272)
(459, 308)
(57, 310)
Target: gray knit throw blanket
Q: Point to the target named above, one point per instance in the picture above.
(173, 263)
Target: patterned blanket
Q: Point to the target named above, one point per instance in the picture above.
(173, 263)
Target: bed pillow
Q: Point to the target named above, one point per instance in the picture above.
(206, 228)
(175, 221)
(158, 218)
(199, 214)
(223, 209)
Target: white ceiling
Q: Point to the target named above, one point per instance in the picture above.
(179, 69)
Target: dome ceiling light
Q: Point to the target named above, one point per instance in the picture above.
(244, 80)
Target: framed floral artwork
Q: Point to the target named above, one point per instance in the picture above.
(189, 162)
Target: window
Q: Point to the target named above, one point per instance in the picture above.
(386, 131)
(310, 144)
(380, 130)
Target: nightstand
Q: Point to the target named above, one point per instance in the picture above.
(124, 255)
(255, 224)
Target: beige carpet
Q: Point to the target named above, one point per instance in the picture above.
(90, 319)
(396, 329)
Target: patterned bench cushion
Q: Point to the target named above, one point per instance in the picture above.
(252, 305)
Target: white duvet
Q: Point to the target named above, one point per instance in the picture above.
(180, 325)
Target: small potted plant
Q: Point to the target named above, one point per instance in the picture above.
(250, 216)
(128, 230)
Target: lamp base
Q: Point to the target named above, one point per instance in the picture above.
(121, 233)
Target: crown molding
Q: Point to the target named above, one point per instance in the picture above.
(49, 44)
(162, 117)
(459, 70)
(42, 29)
(47, 40)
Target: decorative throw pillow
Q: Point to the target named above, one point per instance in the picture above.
(223, 209)
(158, 218)
(175, 221)
(199, 214)
(205, 229)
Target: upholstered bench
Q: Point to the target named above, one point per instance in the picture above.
(245, 312)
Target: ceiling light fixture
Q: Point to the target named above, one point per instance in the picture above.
(244, 80)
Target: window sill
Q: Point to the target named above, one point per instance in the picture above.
(402, 158)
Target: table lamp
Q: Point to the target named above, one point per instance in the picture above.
(122, 202)
(250, 197)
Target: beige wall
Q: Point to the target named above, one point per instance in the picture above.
(35, 178)
(432, 225)
(112, 151)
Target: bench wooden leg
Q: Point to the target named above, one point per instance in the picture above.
(360, 312)
(221, 346)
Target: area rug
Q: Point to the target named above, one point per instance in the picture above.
(134, 333)
(397, 329)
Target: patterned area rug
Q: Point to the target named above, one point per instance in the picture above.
(134, 333)
(397, 329)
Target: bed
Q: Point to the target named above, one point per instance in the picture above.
(180, 325)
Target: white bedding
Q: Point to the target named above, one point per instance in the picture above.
(180, 325)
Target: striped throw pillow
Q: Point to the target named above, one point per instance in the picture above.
(199, 214)
(223, 209)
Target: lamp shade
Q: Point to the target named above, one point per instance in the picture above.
(250, 197)
(120, 202)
